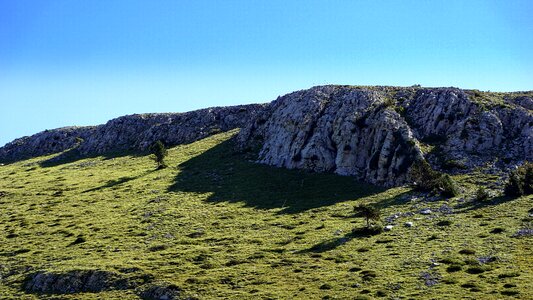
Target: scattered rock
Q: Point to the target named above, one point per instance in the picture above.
(524, 232)
(408, 224)
(426, 211)
(388, 228)
(430, 278)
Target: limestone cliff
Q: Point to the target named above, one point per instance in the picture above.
(376, 133)
(373, 133)
(133, 132)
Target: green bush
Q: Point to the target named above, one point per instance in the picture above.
(481, 194)
(520, 181)
(368, 212)
(160, 152)
(427, 179)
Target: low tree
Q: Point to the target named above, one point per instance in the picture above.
(427, 179)
(160, 153)
(520, 181)
(370, 213)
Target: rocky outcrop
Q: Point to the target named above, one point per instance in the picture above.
(134, 132)
(82, 281)
(44, 143)
(332, 129)
(375, 133)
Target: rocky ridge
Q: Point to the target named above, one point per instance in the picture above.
(376, 133)
(133, 132)
(373, 133)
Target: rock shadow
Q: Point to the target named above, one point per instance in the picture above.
(114, 182)
(229, 176)
(73, 155)
(331, 244)
(474, 205)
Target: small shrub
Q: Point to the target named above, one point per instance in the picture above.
(427, 179)
(481, 194)
(477, 269)
(160, 153)
(509, 275)
(325, 286)
(510, 293)
(370, 213)
(520, 181)
(454, 268)
(497, 230)
(467, 251)
(444, 223)
(368, 275)
(446, 186)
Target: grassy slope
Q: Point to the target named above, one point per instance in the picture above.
(220, 226)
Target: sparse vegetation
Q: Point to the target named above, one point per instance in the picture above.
(481, 194)
(427, 179)
(219, 226)
(520, 181)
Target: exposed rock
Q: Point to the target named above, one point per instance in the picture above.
(161, 292)
(44, 143)
(408, 224)
(373, 133)
(133, 132)
(388, 228)
(348, 131)
(78, 281)
(426, 211)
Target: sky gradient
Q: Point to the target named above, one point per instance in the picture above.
(84, 62)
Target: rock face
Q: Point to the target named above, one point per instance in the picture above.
(330, 129)
(134, 132)
(91, 281)
(373, 133)
(376, 133)
(43, 143)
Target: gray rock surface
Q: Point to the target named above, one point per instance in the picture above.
(376, 133)
(373, 133)
(333, 129)
(133, 132)
(91, 281)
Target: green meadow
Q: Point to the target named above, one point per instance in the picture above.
(219, 226)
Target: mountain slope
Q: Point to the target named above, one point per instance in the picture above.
(215, 225)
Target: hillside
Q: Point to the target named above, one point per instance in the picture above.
(258, 201)
(214, 225)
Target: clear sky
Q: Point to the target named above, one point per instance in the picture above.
(79, 62)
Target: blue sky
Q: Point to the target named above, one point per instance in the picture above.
(84, 62)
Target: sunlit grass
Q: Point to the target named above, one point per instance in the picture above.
(220, 226)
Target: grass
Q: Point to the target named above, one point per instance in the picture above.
(219, 226)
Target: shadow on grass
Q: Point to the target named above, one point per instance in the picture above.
(230, 177)
(73, 155)
(336, 242)
(473, 205)
(115, 182)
